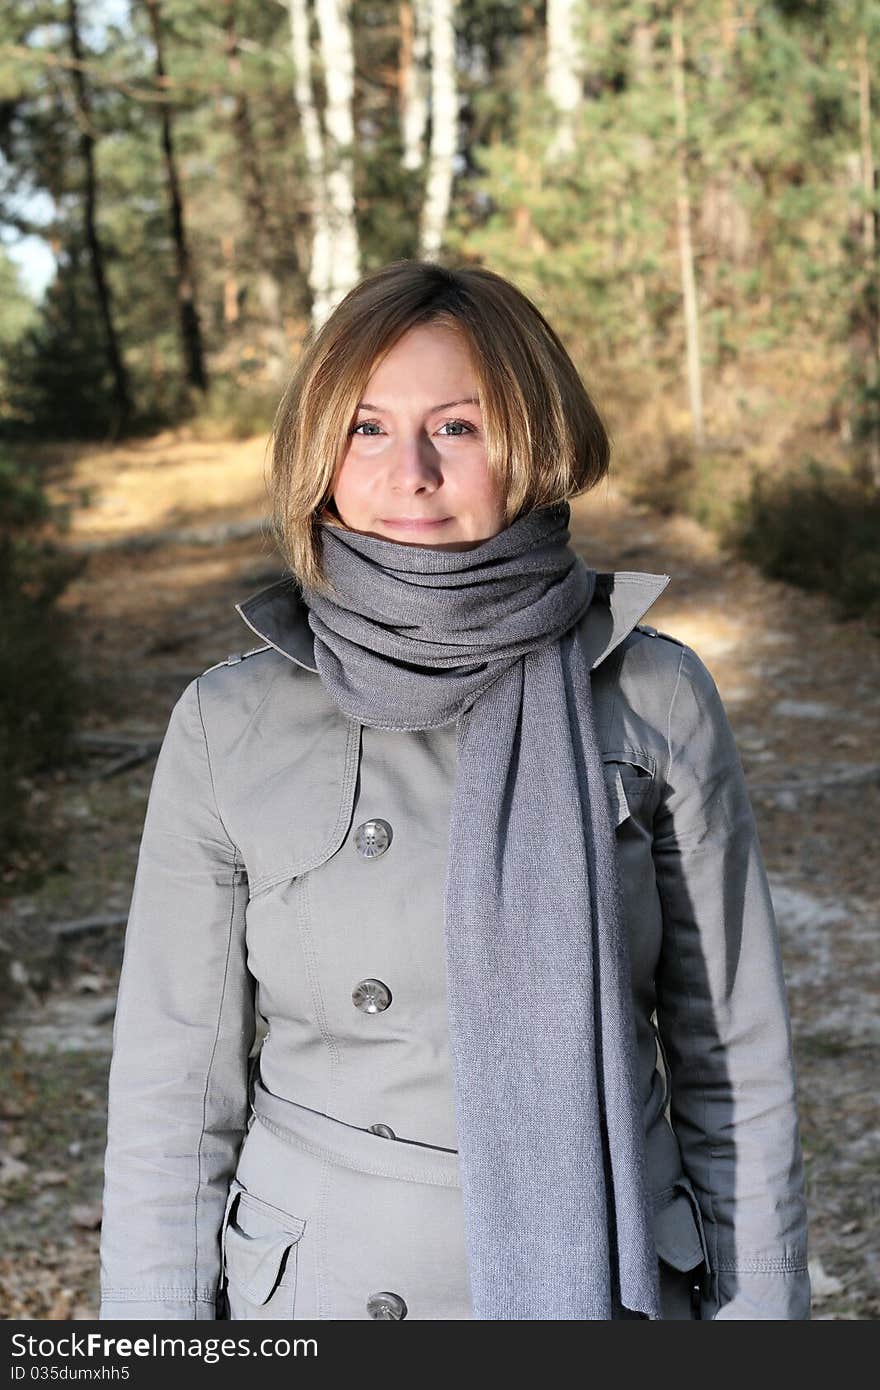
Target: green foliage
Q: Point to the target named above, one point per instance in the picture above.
(17, 309)
(39, 695)
(704, 485)
(233, 410)
(57, 380)
(777, 199)
(817, 528)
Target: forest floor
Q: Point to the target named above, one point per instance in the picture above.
(803, 695)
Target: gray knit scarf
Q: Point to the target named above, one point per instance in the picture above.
(551, 1135)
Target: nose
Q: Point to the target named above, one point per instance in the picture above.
(416, 466)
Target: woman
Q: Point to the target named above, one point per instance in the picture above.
(451, 984)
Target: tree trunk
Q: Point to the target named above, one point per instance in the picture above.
(564, 74)
(444, 129)
(869, 242)
(338, 62)
(415, 19)
(643, 52)
(642, 156)
(334, 260)
(121, 392)
(685, 244)
(230, 280)
(313, 145)
(256, 207)
(190, 329)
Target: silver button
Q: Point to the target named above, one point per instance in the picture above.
(371, 996)
(386, 1305)
(383, 1131)
(372, 838)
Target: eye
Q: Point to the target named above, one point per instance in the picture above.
(465, 428)
(468, 429)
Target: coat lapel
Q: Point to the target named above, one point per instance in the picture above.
(278, 615)
(622, 599)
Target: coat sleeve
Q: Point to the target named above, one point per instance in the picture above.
(182, 1036)
(723, 1020)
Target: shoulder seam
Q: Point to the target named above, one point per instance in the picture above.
(658, 632)
(235, 657)
(236, 855)
(670, 755)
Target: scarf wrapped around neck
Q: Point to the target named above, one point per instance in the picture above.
(551, 1142)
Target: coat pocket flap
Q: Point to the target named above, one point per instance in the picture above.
(254, 1263)
(678, 1236)
(629, 776)
(256, 1240)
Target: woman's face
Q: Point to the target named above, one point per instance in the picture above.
(415, 468)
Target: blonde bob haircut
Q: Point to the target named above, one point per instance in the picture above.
(545, 441)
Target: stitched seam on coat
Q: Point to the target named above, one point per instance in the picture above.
(342, 819)
(713, 695)
(307, 945)
(604, 727)
(669, 753)
(376, 1170)
(322, 1278)
(790, 1266)
(158, 1294)
(635, 798)
(199, 1179)
(710, 1189)
(713, 1236)
(629, 752)
(236, 856)
(270, 688)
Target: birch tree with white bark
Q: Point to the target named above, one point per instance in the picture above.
(869, 243)
(329, 150)
(564, 73)
(415, 23)
(685, 239)
(444, 128)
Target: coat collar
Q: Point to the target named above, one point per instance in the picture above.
(279, 616)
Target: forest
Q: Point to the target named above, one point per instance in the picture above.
(687, 189)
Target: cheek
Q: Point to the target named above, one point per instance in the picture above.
(352, 478)
(466, 474)
(486, 493)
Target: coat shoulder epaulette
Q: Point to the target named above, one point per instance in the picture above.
(656, 632)
(234, 657)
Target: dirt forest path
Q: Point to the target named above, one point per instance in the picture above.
(803, 695)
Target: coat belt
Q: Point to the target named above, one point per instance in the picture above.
(328, 1138)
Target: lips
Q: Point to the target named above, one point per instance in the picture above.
(414, 523)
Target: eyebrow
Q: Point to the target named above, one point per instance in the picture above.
(444, 405)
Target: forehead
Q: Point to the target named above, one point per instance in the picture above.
(426, 351)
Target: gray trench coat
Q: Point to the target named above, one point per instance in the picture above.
(282, 1136)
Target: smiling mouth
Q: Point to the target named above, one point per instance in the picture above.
(414, 523)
